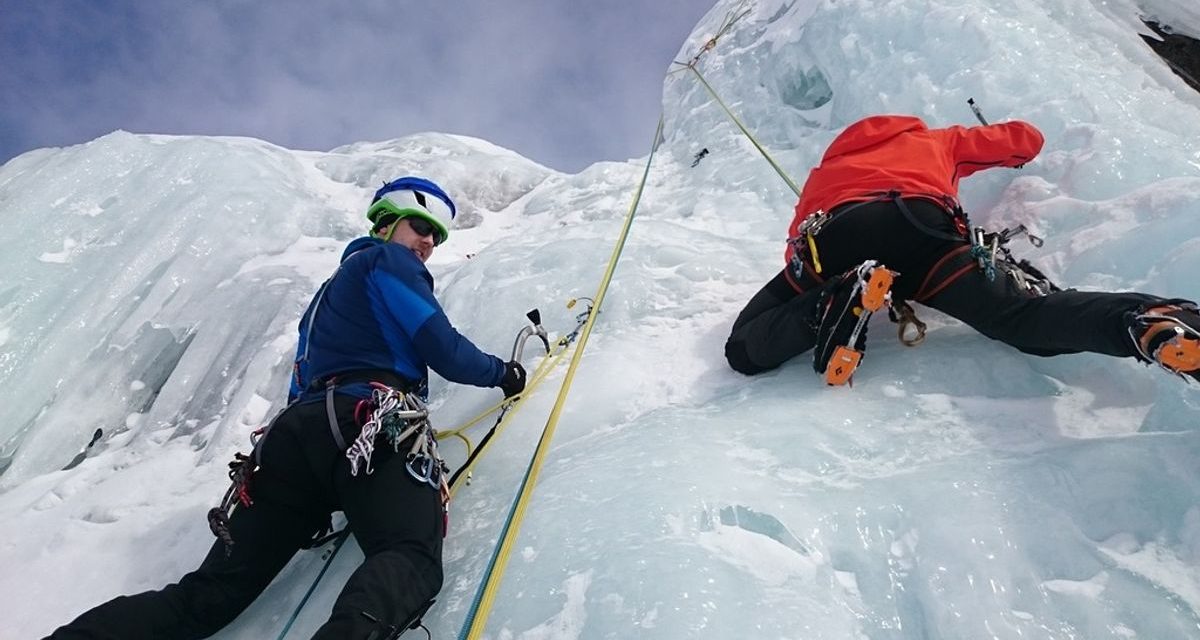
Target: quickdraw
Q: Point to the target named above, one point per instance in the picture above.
(398, 416)
(241, 471)
(992, 253)
(806, 233)
(581, 318)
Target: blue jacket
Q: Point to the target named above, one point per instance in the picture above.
(377, 311)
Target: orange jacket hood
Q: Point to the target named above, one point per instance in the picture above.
(869, 132)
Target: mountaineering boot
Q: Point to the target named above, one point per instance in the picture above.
(845, 306)
(1170, 335)
(384, 631)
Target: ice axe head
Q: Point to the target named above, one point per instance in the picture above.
(535, 317)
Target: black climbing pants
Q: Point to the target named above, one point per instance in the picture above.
(778, 322)
(303, 477)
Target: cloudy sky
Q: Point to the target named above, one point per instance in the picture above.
(563, 82)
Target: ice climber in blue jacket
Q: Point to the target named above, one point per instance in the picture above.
(373, 326)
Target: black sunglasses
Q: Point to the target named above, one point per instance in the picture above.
(425, 228)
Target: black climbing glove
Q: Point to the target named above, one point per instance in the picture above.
(513, 381)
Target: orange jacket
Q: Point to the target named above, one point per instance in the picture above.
(885, 153)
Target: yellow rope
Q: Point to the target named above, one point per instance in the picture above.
(774, 165)
(458, 431)
(540, 374)
(812, 252)
(478, 619)
(731, 17)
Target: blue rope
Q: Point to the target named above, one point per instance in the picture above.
(337, 545)
(984, 257)
(491, 566)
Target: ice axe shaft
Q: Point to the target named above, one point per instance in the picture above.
(978, 113)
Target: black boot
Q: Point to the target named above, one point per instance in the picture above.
(384, 631)
(846, 305)
(1169, 334)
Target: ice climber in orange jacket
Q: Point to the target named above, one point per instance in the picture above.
(879, 223)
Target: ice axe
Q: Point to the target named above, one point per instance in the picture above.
(978, 113)
(535, 317)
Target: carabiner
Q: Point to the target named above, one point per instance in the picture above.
(420, 468)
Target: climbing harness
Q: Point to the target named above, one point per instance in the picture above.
(397, 415)
(980, 249)
(804, 243)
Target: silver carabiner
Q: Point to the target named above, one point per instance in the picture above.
(1009, 234)
(435, 475)
(420, 468)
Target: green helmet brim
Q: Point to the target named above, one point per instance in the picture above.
(384, 207)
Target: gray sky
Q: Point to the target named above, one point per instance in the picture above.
(563, 82)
